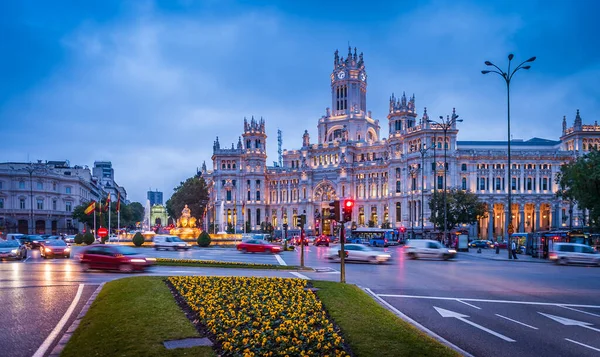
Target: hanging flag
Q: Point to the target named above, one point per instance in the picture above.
(107, 203)
(118, 201)
(90, 208)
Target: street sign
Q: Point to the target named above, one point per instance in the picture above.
(102, 232)
(511, 229)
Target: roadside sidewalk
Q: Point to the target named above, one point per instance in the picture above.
(490, 254)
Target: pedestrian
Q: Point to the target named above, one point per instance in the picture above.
(513, 248)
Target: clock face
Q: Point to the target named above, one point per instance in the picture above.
(363, 77)
(341, 74)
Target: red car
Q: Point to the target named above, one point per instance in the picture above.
(54, 248)
(257, 246)
(322, 240)
(114, 257)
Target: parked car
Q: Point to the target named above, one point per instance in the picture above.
(170, 242)
(53, 248)
(358, 252)
(425, 248)
(114, 257)
(566, 253)
(321, 240)
(501, 245)
(257, 246)
(12, 249)
(13, 236)
(481, 244)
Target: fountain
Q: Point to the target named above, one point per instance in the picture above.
(221, 220)
(186, 225)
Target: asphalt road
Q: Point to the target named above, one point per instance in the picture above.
(478, 297)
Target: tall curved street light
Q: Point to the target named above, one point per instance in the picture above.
(445, 125)
(423, 150)
(507, 78)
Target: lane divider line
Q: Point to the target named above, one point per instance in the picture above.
(583, 344)
(418, 325)
(301, 276)
(67, 335)
(41, 351)
(517, 322)
(583, 312)
(466, 303)
(280, 260)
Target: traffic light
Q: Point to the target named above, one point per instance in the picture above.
(348, 207)
(334, 210)
(402, 229)
(301, 220)
(285, 227)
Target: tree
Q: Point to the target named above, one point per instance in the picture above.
(194, 193)
(136, 211)
(579, 182)
(463, 207)
(130, 215)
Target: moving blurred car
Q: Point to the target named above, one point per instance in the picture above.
(501, 245)
(321, 240)
(114, 257)
(425, 248)
(257, 246)
(296, 240)
(70, 239)
(12, 249)
(170, 242)
(359, 252)
(566, 253)
(53, 248)
(481, 244)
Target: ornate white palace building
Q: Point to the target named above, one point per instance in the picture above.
(393, 178)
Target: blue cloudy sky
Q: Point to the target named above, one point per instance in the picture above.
(150, 84)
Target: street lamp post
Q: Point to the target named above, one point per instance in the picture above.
(412, 172)
(507, 78)
(445, 125)
(423, 150)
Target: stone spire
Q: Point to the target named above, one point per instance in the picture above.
(564, 125)
(305, 139)
(577, 125)
(239, 144)
(204, 170)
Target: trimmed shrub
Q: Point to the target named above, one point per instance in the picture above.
(88, 238)
(104, 239)
(204, 239)
(78, 238)
(138, 239)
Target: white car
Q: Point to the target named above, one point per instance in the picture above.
(170, 242)
(565, 253)
(359, 252)
(425, 248)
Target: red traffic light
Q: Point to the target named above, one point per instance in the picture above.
(348, 204)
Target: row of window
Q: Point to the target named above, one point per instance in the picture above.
(529, 183)
(514, 166)
(39, 186)
(40, 204)
(228, 165)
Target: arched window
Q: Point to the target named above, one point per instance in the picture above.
(464, 183)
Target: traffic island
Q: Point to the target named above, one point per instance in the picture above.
(243, 316)
(222, 264)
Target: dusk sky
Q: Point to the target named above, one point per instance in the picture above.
(148, 85)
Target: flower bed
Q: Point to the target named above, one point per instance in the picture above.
(261, 316)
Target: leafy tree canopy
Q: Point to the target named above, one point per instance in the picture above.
(194, 193)
(579, 181)
(463, 207)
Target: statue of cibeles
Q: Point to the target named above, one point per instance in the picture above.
(185, 217)
(185, 212)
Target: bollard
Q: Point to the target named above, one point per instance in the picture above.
(479, 250)
(498, 249)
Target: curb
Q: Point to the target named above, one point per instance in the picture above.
(60, 346)
(422, 328)
(541, 261)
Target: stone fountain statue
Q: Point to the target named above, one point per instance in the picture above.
(186, 225)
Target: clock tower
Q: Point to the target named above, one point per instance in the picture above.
(348, 118)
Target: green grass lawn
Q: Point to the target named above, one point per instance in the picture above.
(132, 317)
(372, 330)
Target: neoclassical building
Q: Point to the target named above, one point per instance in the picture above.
(391, 178)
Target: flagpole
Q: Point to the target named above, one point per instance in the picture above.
(119, 226)
(109, 204)
(94, 222)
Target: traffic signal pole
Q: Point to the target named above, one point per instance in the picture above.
(342, 254)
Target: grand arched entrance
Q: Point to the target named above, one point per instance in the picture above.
(324, 193)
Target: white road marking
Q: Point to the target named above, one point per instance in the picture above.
(418, 325)
(461, 317)
(583, 344)
(583, 312)
(517, 322)
(492, 301)
(570, 322)
(50, 339)
(301, 276)
(280, 260)
(466, 303)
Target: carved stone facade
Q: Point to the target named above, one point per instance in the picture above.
(391, 179)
